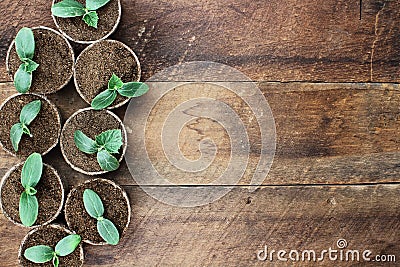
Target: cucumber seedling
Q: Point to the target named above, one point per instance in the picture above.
(115, 87)
(43, 254)
(94, 207)
(25, 47)
(104, 145)
(72, 8)
(28, 113)
(30, 177)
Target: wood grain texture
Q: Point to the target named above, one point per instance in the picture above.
(336, 173)
(229, 232)
(295, 40)
(326, 134)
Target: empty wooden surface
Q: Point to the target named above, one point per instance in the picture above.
(336, 169)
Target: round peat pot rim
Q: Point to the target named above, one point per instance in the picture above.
(53, 106)
(139, 70)
(7, 175)
(102, 180)
(55, 226)
(124, 144)
(90, 42)
(69, 47)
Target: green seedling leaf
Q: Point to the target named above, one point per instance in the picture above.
(93, 204)
(111, 140)
(84, 143)
(72, 8)
(25, 44)
(107, 161)
(28, 209)
(16, 133)
(94, 207)
(32, 170)
(22, 79)
(106, 143)
(26, 130)
(67, 245)
(95, 4)
(91, 18)
(115, 82)
(133, 89)
(68, 9)
(30, 191)
(39, 254)
(30, 111)
(108, 231)
(25, 47)
(56, 261)
(104, 99)
(42, 254)
(30, 65)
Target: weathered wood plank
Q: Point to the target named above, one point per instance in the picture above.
(229, 232)
(294, 40)
(326, 133)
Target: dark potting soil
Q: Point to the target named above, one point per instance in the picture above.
(49, 236)
(78, 30)
(49, 195)
(115, 209)
(44, 128)
(91, 123)
(96, 65)
(55, 61)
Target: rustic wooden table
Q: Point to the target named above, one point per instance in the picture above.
(329, 71)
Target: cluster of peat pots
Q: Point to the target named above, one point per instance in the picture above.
(93, 140)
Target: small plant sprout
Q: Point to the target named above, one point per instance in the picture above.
(43, 254)
(115, 87)
(30, 176)
(105, 144)
(25, 47)
(94, 207)
(28, 113)
(72, 8)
